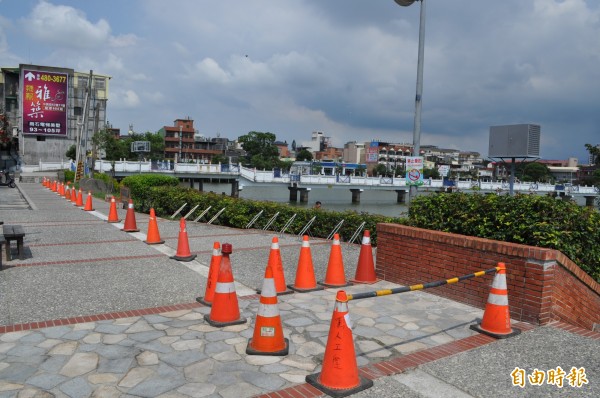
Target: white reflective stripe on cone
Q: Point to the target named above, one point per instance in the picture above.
(275, 245)
(268, 289)
(131, 206)
(498, 299)
(305, 243)
(216, 252)
(366, 240)
(225, 287)
(499, 281)
(268, 310)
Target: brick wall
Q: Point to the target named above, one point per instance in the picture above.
(543, 284)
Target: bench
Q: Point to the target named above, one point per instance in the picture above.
(16, 233)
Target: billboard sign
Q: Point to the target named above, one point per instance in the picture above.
(414, 170)
(44, 104)
(372, 154)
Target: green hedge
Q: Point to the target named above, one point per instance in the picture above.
(527, 219)
(140, 184)
(166, 200)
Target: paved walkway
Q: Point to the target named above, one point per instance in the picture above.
(94, 311)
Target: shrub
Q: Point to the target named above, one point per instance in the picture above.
(526, 219)
(140, 184)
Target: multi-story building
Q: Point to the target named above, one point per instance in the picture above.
(50, 108)
(184, 144)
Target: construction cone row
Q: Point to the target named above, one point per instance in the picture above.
(213, 275)
(496, 318)
(153, 236)
(339, 374)
(268, 332)
(225, 309)
(73, 195)
(183, 245)
(305, 272)
(335, 275)
(365, 270)
(67, 194)
(130, 224)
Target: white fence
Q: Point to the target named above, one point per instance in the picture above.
(269, 176)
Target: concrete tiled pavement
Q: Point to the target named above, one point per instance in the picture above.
(93, 311)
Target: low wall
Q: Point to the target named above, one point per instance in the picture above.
(543, 284)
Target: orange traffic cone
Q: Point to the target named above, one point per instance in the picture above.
(496, 318)
(73, 194)
(183, 246)
(153, 236)
(213, 275)
(225, 310)
(61, 189)
(268, 332)
(54, 186)
(130, 224)
(88, 203)
(339, 374)
(112, 212)
(335, 275)
(305, 272)
(277, 266)
(365, 270)
(67, 194)
(79, 200)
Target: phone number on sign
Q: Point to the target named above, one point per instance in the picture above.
(53, 78)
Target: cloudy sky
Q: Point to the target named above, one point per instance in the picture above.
(344, 67)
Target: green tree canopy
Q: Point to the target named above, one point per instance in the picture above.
(113, 148)
(536, 172)
(594, 152)
(260, 148)
(304, 155)
(71, 152)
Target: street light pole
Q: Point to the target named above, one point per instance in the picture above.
(418, 96)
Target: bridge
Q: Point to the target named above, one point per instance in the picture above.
(301, 184)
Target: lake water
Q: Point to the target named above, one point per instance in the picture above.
(371, 201)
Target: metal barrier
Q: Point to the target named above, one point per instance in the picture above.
(254, 219)
(404, 289)
(287, 224)
(335, 229)
(190, 212)
(307, 226)
(202, 214)
(271, 221)
(356, 233)
(179, 210)
(216, 216)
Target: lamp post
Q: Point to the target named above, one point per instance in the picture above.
(417, 123)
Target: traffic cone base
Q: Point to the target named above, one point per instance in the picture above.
(477, 328)
(314, 380)
(158, 242)
(202, 301)
(300, 290)
(218, 324)
(496, 317)
(280, 353)
(183, 258)
(328, 285)
(283, 293)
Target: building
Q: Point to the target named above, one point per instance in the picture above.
(282, 147)
(49, 108)
(354, 152)
(318, 142)
(184, 144)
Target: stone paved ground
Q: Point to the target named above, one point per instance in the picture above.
(93, 311)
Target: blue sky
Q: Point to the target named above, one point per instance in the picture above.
(345, 67)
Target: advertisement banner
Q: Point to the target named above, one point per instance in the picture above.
(414, 170)
(371, 154)
(44, 99)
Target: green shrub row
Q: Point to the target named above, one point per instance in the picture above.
(532, 220)
(139, 188)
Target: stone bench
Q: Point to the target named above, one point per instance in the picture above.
(13, 233)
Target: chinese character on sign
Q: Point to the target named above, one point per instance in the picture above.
(42, 93)
(537, 377)
(36, 110)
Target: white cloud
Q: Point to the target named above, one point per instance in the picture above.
(124, 99)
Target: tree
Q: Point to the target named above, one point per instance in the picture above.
(157, 146)
(71, 152)
(594, 152)
(536, 172)
(261, 151)
(381, 170)
(113, 148)
(431, 173)
(304, 155)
